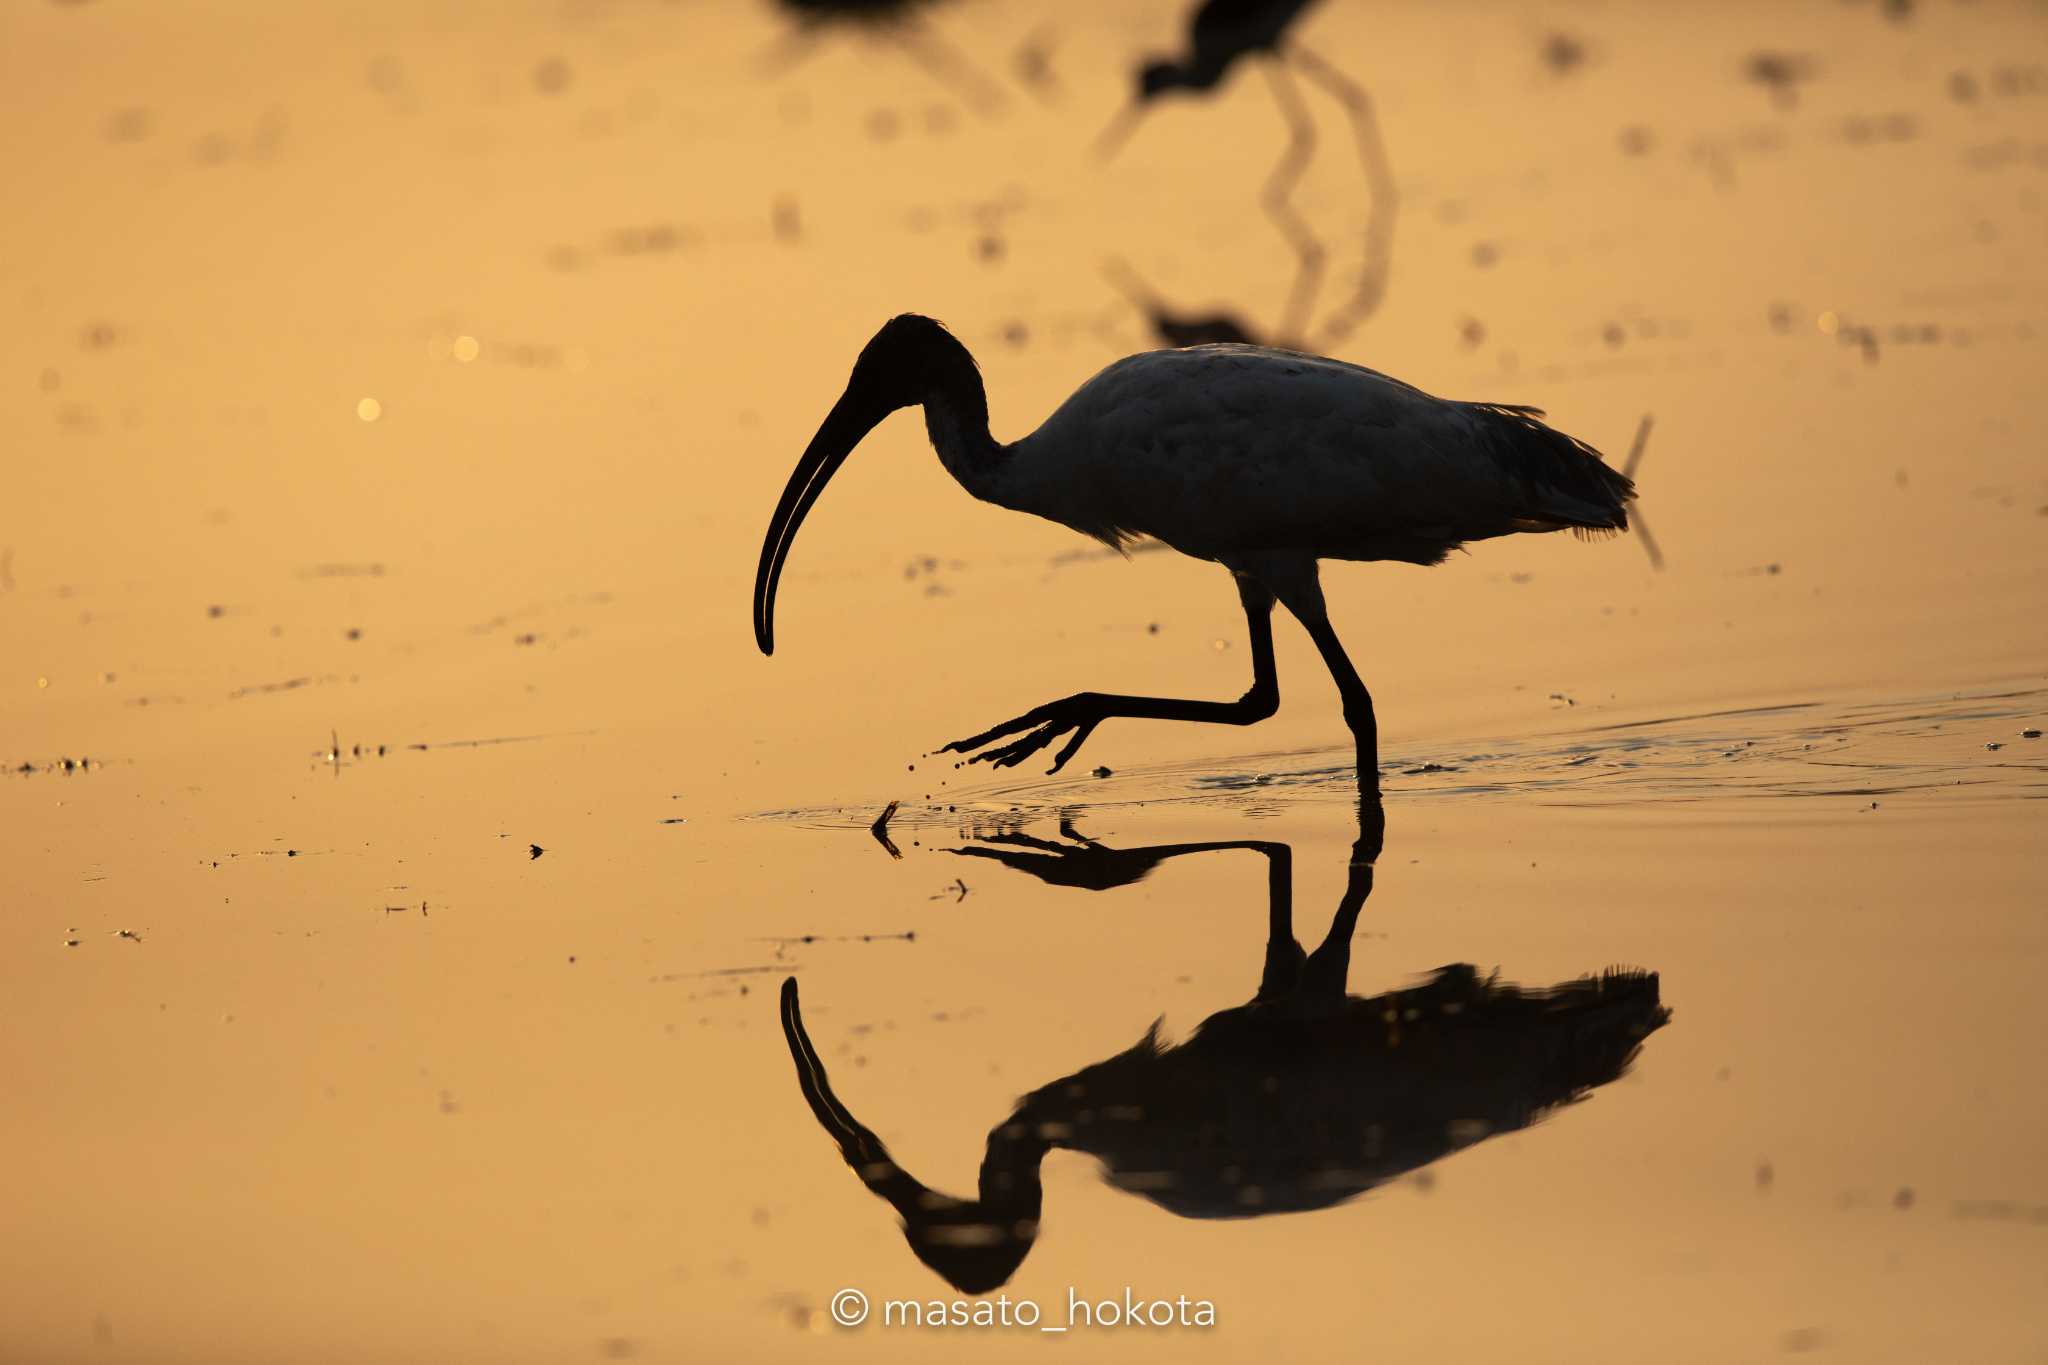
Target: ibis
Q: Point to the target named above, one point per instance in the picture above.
(1263, 461)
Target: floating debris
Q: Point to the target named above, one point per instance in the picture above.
(2030, 733)
(797, 940)
(502, 739)
(288, 685)
(880, 829)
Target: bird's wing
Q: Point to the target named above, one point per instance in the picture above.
(1224, 447)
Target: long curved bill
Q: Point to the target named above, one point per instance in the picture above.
(863, 1151)
(841, 431)
(1112, 138)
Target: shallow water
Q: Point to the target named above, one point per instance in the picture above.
(408, 844)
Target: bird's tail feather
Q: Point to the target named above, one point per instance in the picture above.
(1571, 486)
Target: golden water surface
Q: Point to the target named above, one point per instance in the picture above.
(406, 844)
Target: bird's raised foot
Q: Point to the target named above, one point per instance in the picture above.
(1080, 713)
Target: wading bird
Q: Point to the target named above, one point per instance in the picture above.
(1300, 1099)
(1220, 34)
(1263, 461)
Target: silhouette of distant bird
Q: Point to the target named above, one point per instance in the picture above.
(1300, 1099)
(898, 21)
(1263, 461)
(1221, 33)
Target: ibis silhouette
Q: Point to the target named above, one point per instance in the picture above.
(1263, 461)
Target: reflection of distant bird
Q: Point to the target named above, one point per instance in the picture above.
(1300, 1099)
(1220, 34)
(1176, 329)
(898, 21)
(1262, 461)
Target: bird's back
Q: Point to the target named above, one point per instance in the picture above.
(1223, 30)
(1265, 1109)
(1224, 450)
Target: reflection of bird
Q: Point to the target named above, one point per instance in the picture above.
(898, 21)
(1300, 1099)
(1220, 34)
(1176, 329)
(1263, 461)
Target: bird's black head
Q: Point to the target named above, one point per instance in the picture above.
(903, 364)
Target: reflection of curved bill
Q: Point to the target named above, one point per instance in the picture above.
(1300, 1099)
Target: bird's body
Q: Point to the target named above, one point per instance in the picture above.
(1231, 453)
(1222, 32)
(1262, 460)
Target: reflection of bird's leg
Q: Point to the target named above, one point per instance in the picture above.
(1296, 584)
(1092, 866)
(1276, 197)
(1323, 978)
(1628, 470)
(1083, 711)
(939, 57)
(1379, 177)
(1283, 955)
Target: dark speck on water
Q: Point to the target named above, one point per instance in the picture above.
(534, 851)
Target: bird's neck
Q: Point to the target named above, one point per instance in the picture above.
(956, 419)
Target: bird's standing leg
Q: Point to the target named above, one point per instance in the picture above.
(1379, 177)
(1299, 588)
(1083, 711)
(1277, 198)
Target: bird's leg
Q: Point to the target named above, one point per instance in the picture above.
(1301, 145)
(1083, 711)
(943, 61)
(1379, 176)
(1303, 595)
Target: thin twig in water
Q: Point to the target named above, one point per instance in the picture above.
(1628, 471)
(504, 739)
(880, 829)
